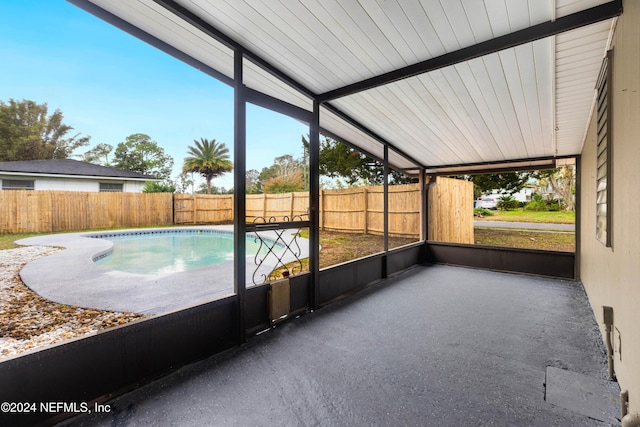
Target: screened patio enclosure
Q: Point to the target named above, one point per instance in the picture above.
(427, 88)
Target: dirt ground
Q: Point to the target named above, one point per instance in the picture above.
(526, 239)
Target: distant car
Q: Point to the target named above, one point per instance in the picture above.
(487, 203)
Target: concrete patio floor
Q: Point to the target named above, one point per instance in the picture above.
(434, 346)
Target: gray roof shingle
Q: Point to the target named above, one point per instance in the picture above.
(69, 167)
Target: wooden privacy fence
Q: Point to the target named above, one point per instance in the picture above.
(203, 208)
(25, 211)
(451, 211)
(353, 210)
(361, 210)
(281, 207)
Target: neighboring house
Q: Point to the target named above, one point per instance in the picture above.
(69, 175)
(547, 193)
(524, 195)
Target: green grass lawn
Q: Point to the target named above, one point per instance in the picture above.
(6, 240)
(520, 215)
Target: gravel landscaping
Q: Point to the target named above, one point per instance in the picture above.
(29, 322)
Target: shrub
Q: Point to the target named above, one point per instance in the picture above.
(507, 203)
(538, 203)
(159, 187)
(480, 212)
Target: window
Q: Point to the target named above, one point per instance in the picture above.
(110, 187)
(604, 158)
(18, 184)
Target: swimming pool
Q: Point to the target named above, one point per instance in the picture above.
(73, 277)
(167, 252)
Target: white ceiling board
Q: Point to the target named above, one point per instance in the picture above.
(567, 7)
(475, 73)
(158, 22)
(340, 128)
(459, 21)
(516, 93)
(579, 55)
(256, 78)
(248, 23)
(491, 109)
(449, 117)
(331, 43)
(477, 16)
(543, 51)
(400, 161)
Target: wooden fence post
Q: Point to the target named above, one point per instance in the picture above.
(291, 206)
(321, 209)
(365, 192)
(264, 206)
(195, 211)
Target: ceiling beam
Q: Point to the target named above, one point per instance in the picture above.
(274, 104)
(527, 35)
(509, 165)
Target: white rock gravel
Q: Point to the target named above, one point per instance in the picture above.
(29, 322)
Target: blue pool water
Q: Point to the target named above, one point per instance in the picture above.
(170, 252)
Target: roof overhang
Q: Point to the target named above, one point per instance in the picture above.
(67, 176)
(440, 83)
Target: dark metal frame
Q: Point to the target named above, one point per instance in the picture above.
(240, 208)
(578, 224)
(525, 261)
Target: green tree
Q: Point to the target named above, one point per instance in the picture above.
(140, 154)
(209, 159)
(99, 155)
(159, 187)
(27, 132)
(285, 175)
(338, 160)
(561, 181)
(284, 183)
(507, 182)
(253, 184)
(184, 182)
(203, 189)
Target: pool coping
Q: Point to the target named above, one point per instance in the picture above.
(72, 277)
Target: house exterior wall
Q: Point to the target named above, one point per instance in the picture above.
(611, 275)
(76, 184)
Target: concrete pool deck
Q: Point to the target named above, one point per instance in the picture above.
(71, 277)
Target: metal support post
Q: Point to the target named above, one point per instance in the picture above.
(385, 179)
(314, 203)
(239, 218)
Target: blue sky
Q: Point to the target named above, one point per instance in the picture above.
(109, 85)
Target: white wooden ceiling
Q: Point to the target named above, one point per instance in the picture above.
(525, 102)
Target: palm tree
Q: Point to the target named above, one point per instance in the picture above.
(209, 159)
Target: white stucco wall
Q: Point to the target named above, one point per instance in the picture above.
(75, 184)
